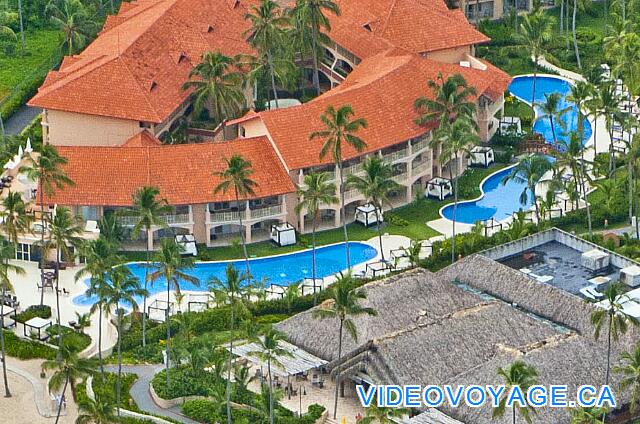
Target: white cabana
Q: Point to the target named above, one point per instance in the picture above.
(283, 234)
(198, 302)
(188, 244)
(158, 309)
(297, 362)
(510, 125)
(439, 188)
(309, 286)
(366, 215)
(481, 156)
(9, 317)
(36, 327)
(275, 291)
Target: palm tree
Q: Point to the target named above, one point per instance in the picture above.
(608, 101)
(217, 84)
(68, 368)
(72, 18)
(536, 31)
(550, 109)
(149, 211)
(124, 290)
(270, 351)
(413, 252)
(382, 415)
(171, 265)
(339, 130)
(529, 170)
(343, 303)
(454, 140)
(111, 230)
(613, 315)
(523, 376)
(375, 185)
(97, 411)
(585, 415)
(64, 236)
(237, 177)
(231, 290)
(14, 217)
(451, 98)
(315, 191)
(630, 371)
(7, 252)
(45, 167)
(266, 34)
(310, 16)
(575, 36)
(100, 257)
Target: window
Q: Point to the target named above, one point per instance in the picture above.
(145, 124)
(23, 252)
(89, 213)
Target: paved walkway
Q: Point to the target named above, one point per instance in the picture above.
(20, 119)
(140, 392)
(40, 392)
(562, 72)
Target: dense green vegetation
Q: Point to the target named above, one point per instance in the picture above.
(106, 389)
(27, 349)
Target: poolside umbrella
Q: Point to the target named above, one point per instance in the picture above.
(28, 148)
(20, 151)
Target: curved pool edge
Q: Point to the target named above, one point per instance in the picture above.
(482, 194)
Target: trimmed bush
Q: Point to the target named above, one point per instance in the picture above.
(33, 311)
(184, 381)
(27, 349)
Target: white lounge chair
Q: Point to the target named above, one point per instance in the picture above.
(92, 227)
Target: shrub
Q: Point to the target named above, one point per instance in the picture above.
(27, 349)
(184, 381)
(70, 338)
(33, 311)
(394, 219)
(201, 410)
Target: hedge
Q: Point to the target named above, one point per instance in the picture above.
(184, 381)
(33, 311)
(27, 349)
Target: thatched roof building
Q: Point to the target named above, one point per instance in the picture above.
(458, 326)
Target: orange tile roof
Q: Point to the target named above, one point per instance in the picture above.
(183, 172)
(367, 27)
(143, 139)
(136, 66)
(382, 89)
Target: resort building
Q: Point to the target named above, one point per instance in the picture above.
(107, 109)
(459, 325)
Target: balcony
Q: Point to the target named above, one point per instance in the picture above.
(351, 195)
(421, 167)
(355, 169)
(225, 216)
(265, 212)
(419, 146)
(395, 156)
(399, 178)
(173, 219)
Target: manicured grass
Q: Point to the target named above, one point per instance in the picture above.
(40, 46)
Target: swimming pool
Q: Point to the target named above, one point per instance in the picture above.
(281, 269)
(522, 87)
(498, 201)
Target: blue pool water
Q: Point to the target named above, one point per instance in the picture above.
(499, 201)
(522, 87)
(282, 270)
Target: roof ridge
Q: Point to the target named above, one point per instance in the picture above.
(388, 17)
(142, 89)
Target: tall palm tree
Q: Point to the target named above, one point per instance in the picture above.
(575, 35)
(342, 305)
(551, 110)
(608, 101)
(230, 290)
(315, 191)
(451, 98)
(536, 31)
(340, 130)
(375, 185)
(217, 84)
(64, 236)
(100, 256)
(99, 410)
(590, 415)
(170, 265)
(68, 368)
(455, 141)
(580, 95)
(7, 252)
(46, 167)
(74, 20)
(614, 317)
(266, 34)
(111, 230)
(237, 177)
(14, 217)
(571, 157)
(270, 351)
(382, 415)
(149, 211)
(630, 371)
(311, 16)
(529, 170)
(517, 374)
(124, 290)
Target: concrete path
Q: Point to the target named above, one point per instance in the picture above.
(39, 390)
(140, 391)
(20, 119)
(562, 72)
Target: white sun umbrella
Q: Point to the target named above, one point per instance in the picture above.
(28, 148)
(20, 151)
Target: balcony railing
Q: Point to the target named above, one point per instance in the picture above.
(400, 154)
(353, 170)
(180, 218)
(419, 146)
(420, 168)
(266, 211)
(351, 194)
(400, 177)
(225, 216)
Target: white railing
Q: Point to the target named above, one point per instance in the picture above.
(180, 218)
(400, 154)
(419, 146)
(353, 170)
(400, 177)
(227, 216)
(421, 167)
(268, 211)
(351, 194)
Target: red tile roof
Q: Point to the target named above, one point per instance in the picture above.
(367, 27)
(143, 139)
(382, 89)
(184, 172)
(136, 66)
